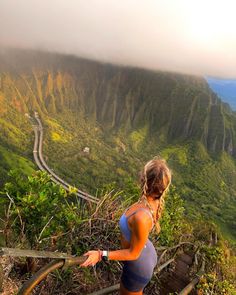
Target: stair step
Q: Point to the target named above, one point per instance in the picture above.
(178, 278)
(186, 258)
(183, 280)
(182, 267)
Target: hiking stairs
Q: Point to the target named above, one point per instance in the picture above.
(176, 278)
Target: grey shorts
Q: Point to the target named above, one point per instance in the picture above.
(137, 273)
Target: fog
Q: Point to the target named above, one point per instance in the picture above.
(196, 37)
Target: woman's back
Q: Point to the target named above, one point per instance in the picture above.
(124, 220)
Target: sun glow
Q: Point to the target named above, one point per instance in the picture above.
(211, 24)
(186, 36)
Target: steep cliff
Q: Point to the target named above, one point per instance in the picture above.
(177, 106)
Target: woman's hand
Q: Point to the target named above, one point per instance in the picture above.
(93, 258)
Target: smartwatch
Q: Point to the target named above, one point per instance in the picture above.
(105, 255)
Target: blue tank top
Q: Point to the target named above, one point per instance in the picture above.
(124, 227)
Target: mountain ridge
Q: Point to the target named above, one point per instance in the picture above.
(180, 106)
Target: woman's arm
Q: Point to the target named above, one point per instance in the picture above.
(141, 225)
(124, 244)
(139, 236)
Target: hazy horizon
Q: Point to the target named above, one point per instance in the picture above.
(191, 38)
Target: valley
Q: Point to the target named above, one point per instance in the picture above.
(124, 116)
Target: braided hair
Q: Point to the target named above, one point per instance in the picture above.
(155, 181)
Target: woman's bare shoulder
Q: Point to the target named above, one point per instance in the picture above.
(141, 216)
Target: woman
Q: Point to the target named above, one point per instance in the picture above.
(138, 252)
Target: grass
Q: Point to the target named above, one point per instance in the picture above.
(15, 161)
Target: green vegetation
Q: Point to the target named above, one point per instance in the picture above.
(125, 116)
(210, 285)
(43, 216)
(173, 224)
(14, 160)
(202, 181)
(39, 210)
(218, 258)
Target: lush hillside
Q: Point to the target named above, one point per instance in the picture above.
(41, 218)
(15, 138)
(176, 106)
(125, 116)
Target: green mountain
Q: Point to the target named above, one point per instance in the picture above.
(125, 116)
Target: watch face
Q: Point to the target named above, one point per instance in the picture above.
(104, 258)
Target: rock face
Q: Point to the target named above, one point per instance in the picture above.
(176, 106)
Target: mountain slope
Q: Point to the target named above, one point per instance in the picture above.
(125, 116)
(15, 138)
(180, 107)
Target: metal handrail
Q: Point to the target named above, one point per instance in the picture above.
(29, 285)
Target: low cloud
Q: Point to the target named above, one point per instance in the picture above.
(196, 37)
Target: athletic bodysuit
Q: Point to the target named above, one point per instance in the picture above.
(137, 273)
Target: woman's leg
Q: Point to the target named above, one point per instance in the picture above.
(124, 291)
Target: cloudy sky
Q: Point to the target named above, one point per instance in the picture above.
(179, 35)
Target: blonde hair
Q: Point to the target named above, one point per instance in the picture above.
(155, 181)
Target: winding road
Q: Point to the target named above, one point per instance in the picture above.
(39, 160)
